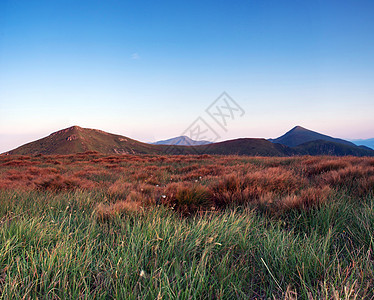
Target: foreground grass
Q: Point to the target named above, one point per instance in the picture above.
(54, 246)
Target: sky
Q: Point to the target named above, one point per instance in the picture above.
(148, 69)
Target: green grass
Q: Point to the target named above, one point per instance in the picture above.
(53, 246)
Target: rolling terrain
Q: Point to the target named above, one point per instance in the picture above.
(321, 147)
(298, 141)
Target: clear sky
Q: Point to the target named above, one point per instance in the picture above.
(148, 69)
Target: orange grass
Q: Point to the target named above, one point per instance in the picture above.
(193, 183)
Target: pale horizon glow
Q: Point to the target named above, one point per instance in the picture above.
(148, 70)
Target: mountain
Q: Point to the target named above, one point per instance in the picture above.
(299, 135)
(182, 141)
(321, 147)
(243, 146)
(368, 143)
(76, 139)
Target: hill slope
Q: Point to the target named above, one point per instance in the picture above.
(76, 139)
(299, 135)
(321, 147)
(368, 143)
(243, 146)
(182, 141)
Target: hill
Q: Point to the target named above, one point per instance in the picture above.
(321, 147)
(76, 139)
(367, 143)
(242, 146)
(299, 135)
(182, 141)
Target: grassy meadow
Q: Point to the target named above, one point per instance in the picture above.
(90, 226)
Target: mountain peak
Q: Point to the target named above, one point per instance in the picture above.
(299, 128)
(75, 127)
(66, 130)
(300, 135)
(76, 139)
(181, 141)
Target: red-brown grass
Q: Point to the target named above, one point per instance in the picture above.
(105, 212)
(19, 163)
(324, 166)
(195, 182)
(120, 189)
(307, 198)
(63, 183)
(187, 198)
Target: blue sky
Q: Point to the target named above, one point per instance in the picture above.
(148, 69)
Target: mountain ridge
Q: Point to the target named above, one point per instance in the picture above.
(300, 135)
(182, 141)
(364, 142)
(76, 139)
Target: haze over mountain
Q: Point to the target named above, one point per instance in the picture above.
(182, 141)
(76, 139)
(300, 135)
(368, 143)
(321, 147)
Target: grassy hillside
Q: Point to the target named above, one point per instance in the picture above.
(79, 140)
(321, 147)
(186, 227)
(246, 146)
(76, 139)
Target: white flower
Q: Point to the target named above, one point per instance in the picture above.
(142, 273)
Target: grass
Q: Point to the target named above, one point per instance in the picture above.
(55, 246)
(246, 238)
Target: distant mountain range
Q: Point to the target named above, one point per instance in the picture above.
(182, 141)
(367, 143)
(297, 141)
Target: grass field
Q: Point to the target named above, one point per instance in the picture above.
(186, 227)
